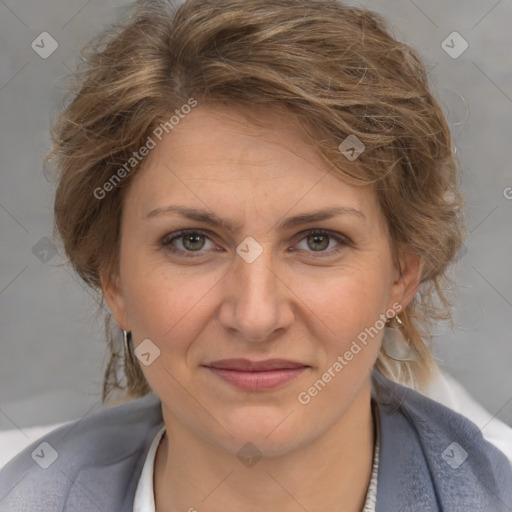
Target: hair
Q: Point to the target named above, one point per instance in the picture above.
(335, 69)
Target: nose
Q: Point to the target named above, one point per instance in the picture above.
(257, 304)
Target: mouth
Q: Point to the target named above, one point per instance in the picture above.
(256, 375)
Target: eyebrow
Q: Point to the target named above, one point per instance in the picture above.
(214, 220)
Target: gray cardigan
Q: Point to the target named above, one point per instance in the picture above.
(431, 459)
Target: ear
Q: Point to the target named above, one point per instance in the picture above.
(112, 291)
(407, 276)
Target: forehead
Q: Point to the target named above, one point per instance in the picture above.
(218, 158)
(210, 137)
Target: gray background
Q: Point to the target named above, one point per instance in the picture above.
(52, 349)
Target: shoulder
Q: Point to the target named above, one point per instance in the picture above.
(74, 465)
(439, 452)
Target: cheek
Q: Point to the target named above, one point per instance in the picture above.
(348, 301)
(349, 326)
(164, 301)
(148, 294)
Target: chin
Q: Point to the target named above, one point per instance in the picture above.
(272, 433)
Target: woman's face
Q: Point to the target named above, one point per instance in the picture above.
(249, 283)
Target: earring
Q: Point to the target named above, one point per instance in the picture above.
(127, 351)
(395, 346)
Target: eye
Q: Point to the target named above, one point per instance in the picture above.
(191, 241)
(320, 239)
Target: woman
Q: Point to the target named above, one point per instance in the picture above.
(266, 197)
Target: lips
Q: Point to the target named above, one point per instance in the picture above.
(256, 375)
(245, 365)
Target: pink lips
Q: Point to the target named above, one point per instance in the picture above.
(257, 375)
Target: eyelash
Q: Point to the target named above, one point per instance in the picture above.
(167, 242)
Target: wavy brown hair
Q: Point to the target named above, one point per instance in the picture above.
(337, 70)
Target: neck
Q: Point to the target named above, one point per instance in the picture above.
(330, 473)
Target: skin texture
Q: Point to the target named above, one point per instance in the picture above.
(298, 300)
